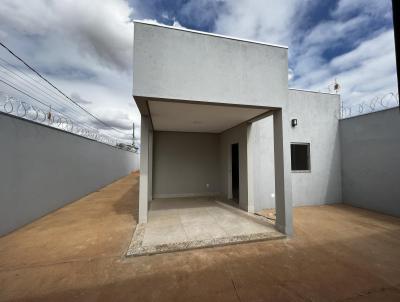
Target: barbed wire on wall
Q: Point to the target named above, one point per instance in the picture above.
(377, 103)
(49, 117)
(26, 93)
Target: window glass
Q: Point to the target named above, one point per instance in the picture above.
(300, 154)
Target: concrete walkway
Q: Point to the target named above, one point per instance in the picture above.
(338, 253)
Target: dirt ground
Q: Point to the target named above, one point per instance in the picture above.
(338, 253)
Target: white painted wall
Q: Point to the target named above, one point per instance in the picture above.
(184, 163)
(146, 159)
(176, 64)
(317, 116)
(318, 124)
(171, 64)
(262, 136)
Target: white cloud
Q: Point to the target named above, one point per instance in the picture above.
(270, 21)
(371, 8)
(153, 21)
(84, 47)
(97, 33)
(366, 69)
(290, 74)
(369, 49)
(363, 72)
(201, 12)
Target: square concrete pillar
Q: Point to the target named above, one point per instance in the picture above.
(150, 170)
(145, 174)
(250, 171)
(283, 183)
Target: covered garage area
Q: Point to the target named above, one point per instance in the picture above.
(192, 149)
(199, 183)
(198, 95)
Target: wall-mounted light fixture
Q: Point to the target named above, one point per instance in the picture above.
(294, 122)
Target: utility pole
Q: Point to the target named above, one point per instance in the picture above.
(396, 27)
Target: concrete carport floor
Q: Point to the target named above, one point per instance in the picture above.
(338, 253)
(187, 150)
(176, 224)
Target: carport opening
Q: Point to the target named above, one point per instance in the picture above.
(235, 172)
(196, 151)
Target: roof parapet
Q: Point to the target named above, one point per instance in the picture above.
(209, 34)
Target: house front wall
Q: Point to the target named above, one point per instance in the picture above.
(185, 66)
(318, 124)
(182, 65)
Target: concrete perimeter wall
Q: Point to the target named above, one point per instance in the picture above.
(371, 161)
(184, 163)
(42, 169)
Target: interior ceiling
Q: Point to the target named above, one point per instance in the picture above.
(187, 117)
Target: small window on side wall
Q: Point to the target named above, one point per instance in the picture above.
(300, 154)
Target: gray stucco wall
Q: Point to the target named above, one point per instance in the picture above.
(178, 153)
(318, 124)
(43, 169)
(176, 64)
(235, 135)
(371, 161)
(184, 163)
(188, 66)
(262, 136)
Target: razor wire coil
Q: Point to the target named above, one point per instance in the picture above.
(26, 110)
(377, 103)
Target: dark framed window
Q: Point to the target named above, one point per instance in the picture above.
(300, 155)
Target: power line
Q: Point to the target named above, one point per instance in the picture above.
(13, 85)
(46, 95)
(54, 94)
(44, 104)
(37, 88)
(52, 85)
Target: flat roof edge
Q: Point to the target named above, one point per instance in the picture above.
(210, 34)
(312, 91)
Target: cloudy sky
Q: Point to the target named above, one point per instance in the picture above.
(85, 47)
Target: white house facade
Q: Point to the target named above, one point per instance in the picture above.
(219, 120)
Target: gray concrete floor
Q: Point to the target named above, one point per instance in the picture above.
(187, 223)
(188, 219)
